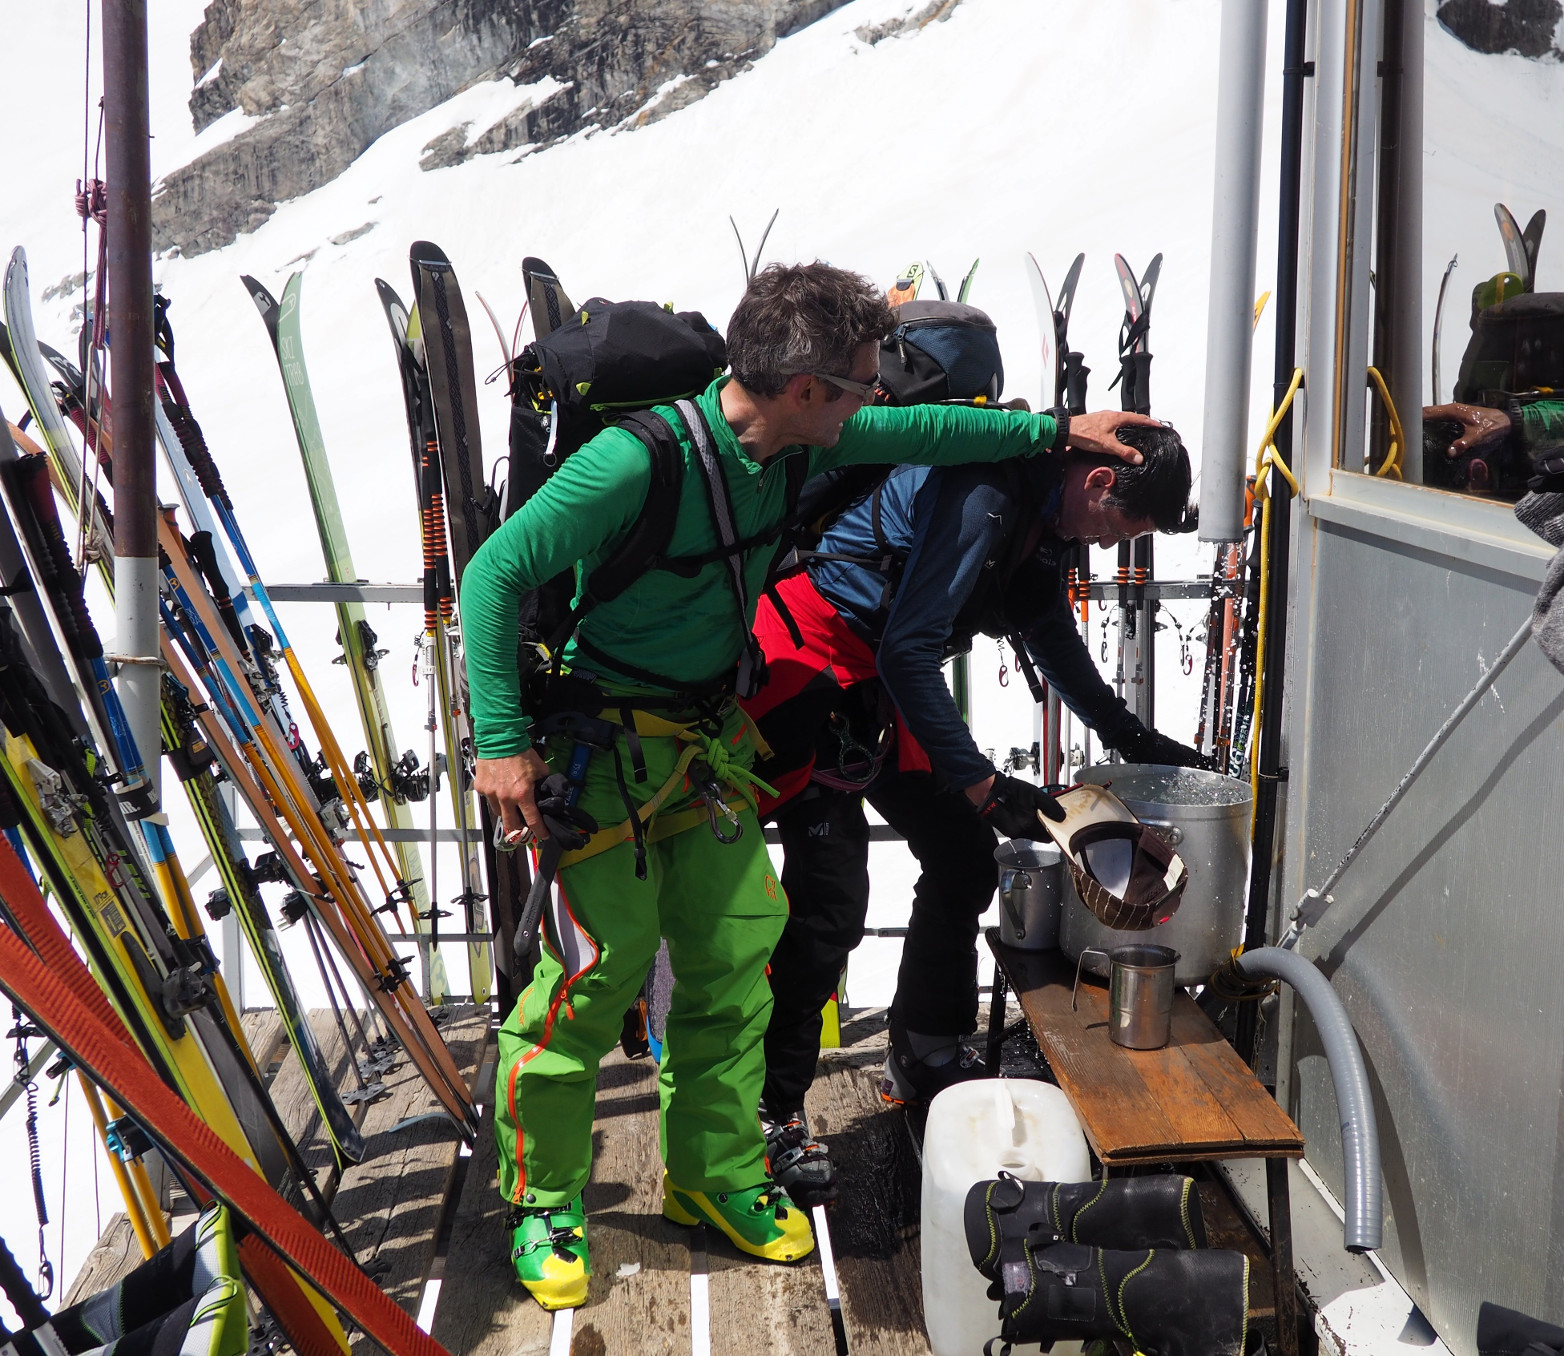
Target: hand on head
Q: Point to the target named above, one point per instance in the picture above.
(1480, 426)
(1098, 433)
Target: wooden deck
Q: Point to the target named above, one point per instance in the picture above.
(641, 1292)
(427, 1219)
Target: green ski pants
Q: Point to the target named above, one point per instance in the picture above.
(721, 908)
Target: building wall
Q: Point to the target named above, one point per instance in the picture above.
(1446, 941)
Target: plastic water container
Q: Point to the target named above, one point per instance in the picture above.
(975, 1129)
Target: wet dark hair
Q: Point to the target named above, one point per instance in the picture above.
(1157, 489)
(803, 318)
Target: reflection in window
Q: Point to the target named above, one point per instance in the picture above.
(1492, 290)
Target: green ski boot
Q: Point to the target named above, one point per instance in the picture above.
(549, 1251)
(760, 1220)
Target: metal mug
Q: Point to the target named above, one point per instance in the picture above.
(1140, 994)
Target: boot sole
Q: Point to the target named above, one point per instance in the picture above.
(565, 1301)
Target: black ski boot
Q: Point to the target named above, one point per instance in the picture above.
(915, 1077)
(799, 1163)
(1165, 1303)
(1506, 1332)
(1005, 1217)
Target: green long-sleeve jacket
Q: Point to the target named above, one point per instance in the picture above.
(1542, 424)
(689, 629)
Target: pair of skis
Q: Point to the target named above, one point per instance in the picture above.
(910, 282)
(1067, 368)
(382, 774)
(458, 509)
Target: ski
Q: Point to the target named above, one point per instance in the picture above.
(965, 291)
(361, 936)
(346, 1143)
(751, 262)
(1137, 612)
(452, 400)
(194, 763)
(164, 982)
(1439, 316)
(547, 299)
(326, 886)
(471, 508)
(442, 663)
(1531, 238)
(1515, 252)
(394, 780)
(906, 286)
(940, 290)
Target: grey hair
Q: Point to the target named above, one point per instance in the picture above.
(803, 318)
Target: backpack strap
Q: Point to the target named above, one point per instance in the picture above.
(649, 534)
(752, 664)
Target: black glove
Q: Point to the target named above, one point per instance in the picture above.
(567, 825)
(1013, 806)
(1147, 746)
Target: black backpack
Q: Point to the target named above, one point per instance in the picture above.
(1515, 355)
(1516, 346)
(941, 350)
(609, 363)
(606, 362)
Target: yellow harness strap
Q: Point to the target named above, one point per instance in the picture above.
(698, 744)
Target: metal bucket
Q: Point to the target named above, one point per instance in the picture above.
(1029, 893)
(1205, 817)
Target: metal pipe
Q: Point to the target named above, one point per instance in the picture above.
(1269, 725)
(1363, 1230)
(1235, 225)
(1398, 304)
(127, 136)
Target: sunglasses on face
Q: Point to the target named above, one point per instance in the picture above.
(866, 391)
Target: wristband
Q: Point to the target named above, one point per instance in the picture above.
(1060, 414)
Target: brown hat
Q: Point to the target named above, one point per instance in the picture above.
(1149, 891)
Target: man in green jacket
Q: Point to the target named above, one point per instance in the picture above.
(657, 664)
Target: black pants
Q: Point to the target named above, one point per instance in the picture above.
(825, 871)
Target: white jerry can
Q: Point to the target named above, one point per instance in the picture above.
(976, 1129)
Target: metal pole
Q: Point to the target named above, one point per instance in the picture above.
(1269, 732)
(1235, 224)
(1398, 311)
(128, 146)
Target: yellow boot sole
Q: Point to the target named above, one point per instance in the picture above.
(796, 1241)
(562, 1286)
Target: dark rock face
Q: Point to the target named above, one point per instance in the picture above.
(327, 77)
(1528, 27)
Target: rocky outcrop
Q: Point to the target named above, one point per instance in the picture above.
(1530, 28)
(324, 78)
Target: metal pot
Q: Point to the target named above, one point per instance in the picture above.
(1029, 893)
(1205, 817)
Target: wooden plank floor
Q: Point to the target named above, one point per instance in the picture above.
(875, 1221)
(389, 1205)
(639, 1298)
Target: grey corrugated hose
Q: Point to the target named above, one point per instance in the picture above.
(1364, 1192)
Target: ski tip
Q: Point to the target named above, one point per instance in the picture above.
(263, 299)
(427, 254)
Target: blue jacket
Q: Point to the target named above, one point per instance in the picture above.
(972, 549)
